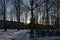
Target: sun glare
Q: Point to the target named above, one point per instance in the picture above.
(28, 21)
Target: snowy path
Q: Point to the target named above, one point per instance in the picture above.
(22, 35)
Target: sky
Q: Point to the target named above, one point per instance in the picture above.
(10, 9)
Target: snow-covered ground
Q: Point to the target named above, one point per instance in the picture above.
(50, 38)
(12, 34)
(22, 35)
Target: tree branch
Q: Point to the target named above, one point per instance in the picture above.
(38, 5)
(51, 5)
(26, 6)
